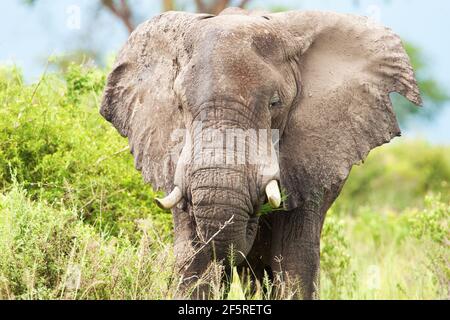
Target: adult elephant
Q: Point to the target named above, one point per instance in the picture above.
(322, 80)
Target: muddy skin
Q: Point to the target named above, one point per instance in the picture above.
(321, 79)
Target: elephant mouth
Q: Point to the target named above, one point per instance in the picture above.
(272, 191)
(222, 202)
(223, 211)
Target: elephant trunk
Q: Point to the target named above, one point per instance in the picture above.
(223, 209)
(225, 178)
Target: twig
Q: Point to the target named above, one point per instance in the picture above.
(101, 159)
(168, 5)
(243, 3)
(228, 222)
(248, 263)
(40, 81)
(123, 13)
(215, 7)
(219, 6)
(201, 7)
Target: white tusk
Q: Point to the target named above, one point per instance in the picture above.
(171, 200)
(273, 194)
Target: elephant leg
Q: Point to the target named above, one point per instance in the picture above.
(296, 253)
(257, 263)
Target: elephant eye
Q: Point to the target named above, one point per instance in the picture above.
(275, 101)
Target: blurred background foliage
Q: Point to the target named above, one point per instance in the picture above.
(77, 221)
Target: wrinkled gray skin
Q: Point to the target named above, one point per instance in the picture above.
(333, 74)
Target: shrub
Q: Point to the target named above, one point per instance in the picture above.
(48, 253)
(397, 176)
(63, 152)
(431, 226)
(335, 260)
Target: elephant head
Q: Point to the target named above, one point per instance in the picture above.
(320, 80)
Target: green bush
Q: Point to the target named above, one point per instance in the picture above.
(398, 176)
(47, 253)
(432, 223)
(59, 147)
(335, 260)
(431, 226)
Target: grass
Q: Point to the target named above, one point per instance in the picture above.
(52, 254)
(47, 253)
(77, 222)
(387, 255)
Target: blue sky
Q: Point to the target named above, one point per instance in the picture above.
(29, 36)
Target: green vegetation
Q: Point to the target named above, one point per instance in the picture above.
(433, 93)
(77, 221)
(56, 144)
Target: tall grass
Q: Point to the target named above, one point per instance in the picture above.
(47, 253)
(77, 222)
(387, 254)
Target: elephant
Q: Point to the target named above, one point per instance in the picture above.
(320, 80)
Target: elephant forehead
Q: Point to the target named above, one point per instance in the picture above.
(227, 59)
(230, 34)
(232, 56)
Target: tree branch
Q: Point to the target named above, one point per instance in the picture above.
(201, 7)
(190, 259)
(220, 6)
(123, 12)
(168, 5)
(243, 3)
(217, 6)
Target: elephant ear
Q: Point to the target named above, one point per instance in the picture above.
(139, 99)
(348, 67)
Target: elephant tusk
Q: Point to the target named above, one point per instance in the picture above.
(171, 200)
(273, 194)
